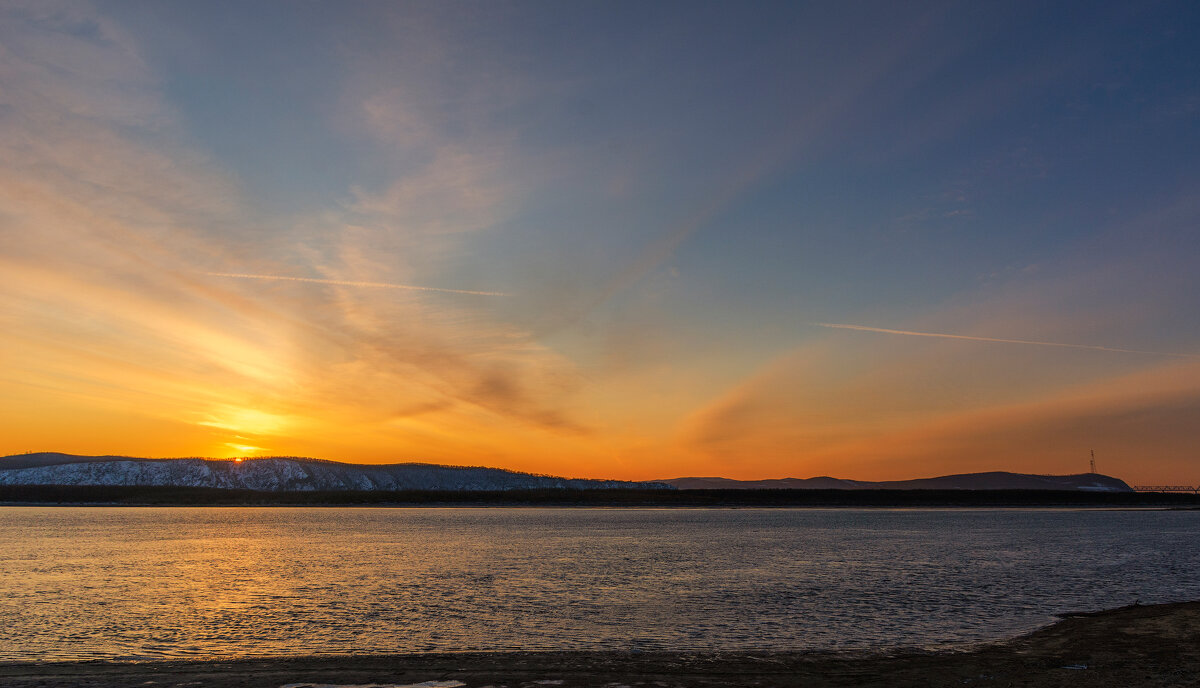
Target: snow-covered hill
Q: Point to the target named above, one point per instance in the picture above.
(276, 474)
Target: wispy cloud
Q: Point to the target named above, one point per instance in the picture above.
(942, 335)
(110, 215)
(854, 411)
(351, 283)
(1141, 423)
(814, 121)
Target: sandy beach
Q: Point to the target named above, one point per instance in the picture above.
(1151, 645)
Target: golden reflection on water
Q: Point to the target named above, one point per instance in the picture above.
(139, 583)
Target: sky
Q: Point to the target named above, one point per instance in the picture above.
(635, 240)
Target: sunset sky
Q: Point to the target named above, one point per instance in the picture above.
(615, 239)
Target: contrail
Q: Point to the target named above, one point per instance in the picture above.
(940, 335)
(347, 283)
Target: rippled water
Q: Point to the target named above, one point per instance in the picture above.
(141, 583)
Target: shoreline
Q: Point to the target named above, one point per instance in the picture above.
(618, 507)
(103, 496)
(1139, 645)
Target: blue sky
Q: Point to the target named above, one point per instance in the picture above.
(670, 198)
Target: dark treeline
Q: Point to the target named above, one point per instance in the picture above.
(202, 496)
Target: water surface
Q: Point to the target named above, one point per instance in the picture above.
(145, 583)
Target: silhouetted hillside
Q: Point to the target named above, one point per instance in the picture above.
(995, 480)
(279, 474)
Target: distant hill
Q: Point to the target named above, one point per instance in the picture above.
(290, 474)
(278, 474)
(995, 480)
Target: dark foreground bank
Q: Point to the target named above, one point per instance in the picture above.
(1153, 645)
(50, 495)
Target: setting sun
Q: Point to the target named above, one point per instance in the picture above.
(431, 243)
(478, 343)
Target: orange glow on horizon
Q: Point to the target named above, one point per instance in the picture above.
(477, 289)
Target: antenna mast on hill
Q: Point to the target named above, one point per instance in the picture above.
(1093, 461)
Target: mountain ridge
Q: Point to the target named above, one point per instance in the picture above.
(290, 473)
(280, 474)
(988, 480)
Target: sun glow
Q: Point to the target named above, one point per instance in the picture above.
(245, 420)
(243, 449)
(482, 289)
